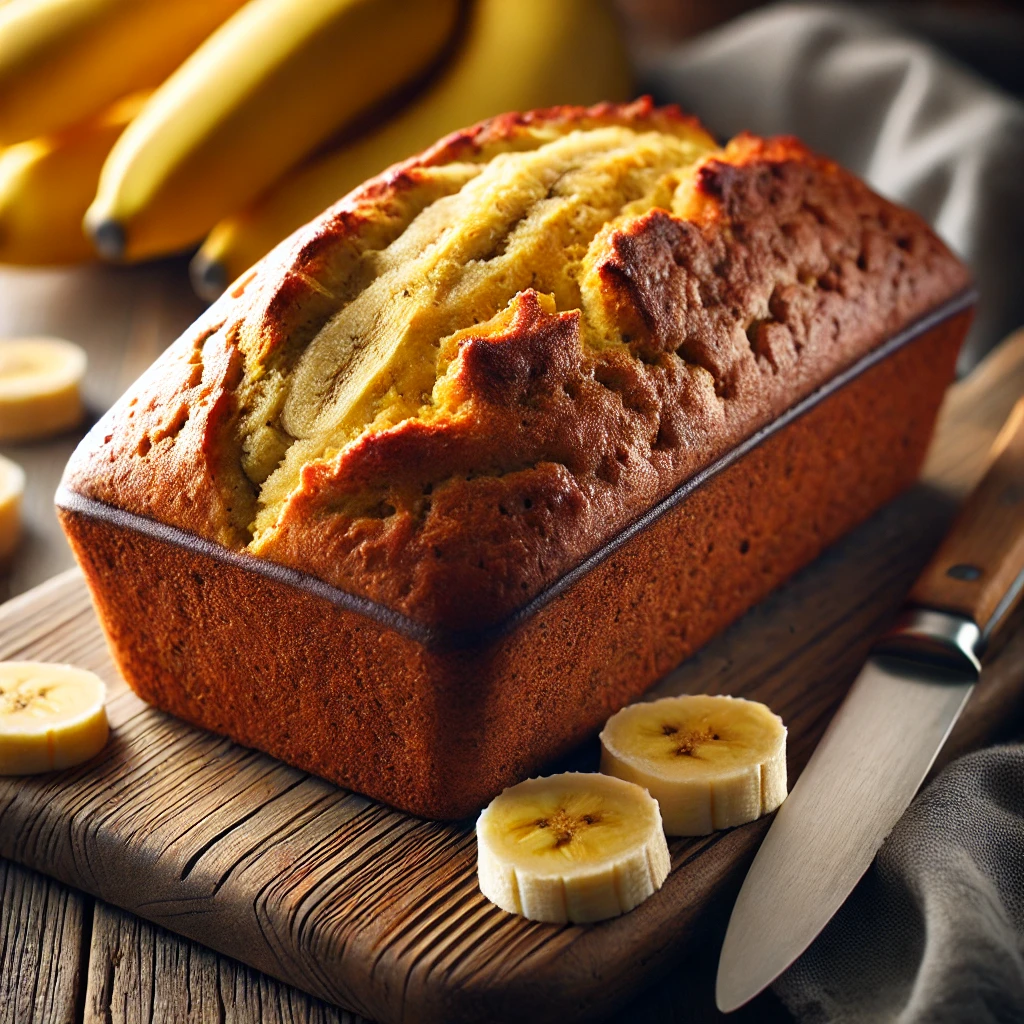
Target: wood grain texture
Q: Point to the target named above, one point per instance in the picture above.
(380, 912)
(43, 948)
(977, 569)
(142, 974)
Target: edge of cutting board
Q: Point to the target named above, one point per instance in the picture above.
(318, 886)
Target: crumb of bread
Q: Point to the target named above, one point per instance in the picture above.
(523, 220)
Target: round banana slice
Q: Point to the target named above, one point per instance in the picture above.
(12, 487)
(51, 717)
(39, 387)
(574, 847)
(711, 762)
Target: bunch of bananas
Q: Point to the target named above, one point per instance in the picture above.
(138, 128)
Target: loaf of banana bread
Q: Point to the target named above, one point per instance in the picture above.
(438, 403)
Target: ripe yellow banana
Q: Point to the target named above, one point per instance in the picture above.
(269, 86)
(711, 762)
(62, 61)
(51, 717)
(12, 487)
(46, 185)
(513, 56)
(574, 847)
(39, 387)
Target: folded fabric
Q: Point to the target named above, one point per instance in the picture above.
(921, 129)
(934, 933)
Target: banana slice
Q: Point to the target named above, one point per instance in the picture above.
(711, 762)
(574, 847)
(39, 387)
(51, 717)
(12, 487)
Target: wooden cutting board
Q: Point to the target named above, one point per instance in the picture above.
(379, 911)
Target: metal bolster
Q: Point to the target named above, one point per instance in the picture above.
(937, 637)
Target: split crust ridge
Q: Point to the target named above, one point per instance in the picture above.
(475, 369)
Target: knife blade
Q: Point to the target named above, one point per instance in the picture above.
(885, 736)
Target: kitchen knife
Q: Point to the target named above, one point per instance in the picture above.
(885, 736)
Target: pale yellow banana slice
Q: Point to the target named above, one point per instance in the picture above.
(574, 847)
(51, 717)
(711, 762)
(12, 487)
(39, 387)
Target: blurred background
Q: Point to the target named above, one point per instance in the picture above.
(152, 150)
(986, 35)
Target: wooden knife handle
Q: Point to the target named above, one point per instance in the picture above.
(978, 572)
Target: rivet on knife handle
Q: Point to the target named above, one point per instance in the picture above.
(978, 572)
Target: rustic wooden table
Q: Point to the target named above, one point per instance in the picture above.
(65, 956)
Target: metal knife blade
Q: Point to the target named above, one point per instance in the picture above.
(860, 779)
(885, 736)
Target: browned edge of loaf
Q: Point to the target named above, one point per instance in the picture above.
(523, 492)
(438, 732)
(72, 501)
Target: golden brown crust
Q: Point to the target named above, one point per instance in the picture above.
(439, 731)
(781, 270)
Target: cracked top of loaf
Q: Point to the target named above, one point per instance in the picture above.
(472, 371)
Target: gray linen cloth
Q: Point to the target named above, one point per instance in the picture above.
(917, 126)
(935, 931)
